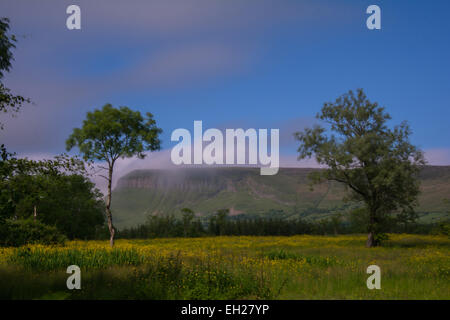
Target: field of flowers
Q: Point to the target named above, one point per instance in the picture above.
(297, 267)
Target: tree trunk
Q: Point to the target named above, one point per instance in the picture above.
(108, 207)
(35, 213)
(370, 240)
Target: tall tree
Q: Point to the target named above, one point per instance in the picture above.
(111, 133)
(378, 164)
(188, 216)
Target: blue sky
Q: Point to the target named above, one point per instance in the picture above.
(229, 63)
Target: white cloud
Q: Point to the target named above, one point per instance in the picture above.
(161, 160)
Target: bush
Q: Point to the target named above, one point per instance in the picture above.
(443, 228)
(15, 233)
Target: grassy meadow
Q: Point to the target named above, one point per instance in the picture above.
(250, 267)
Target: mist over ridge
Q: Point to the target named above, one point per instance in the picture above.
(244, 191)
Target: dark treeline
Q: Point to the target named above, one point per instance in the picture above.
(46, 201)
(221, 224)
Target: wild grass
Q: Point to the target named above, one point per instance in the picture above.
(298, 267)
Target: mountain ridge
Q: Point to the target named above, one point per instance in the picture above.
(244, 191)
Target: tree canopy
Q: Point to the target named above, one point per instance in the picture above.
(111, 133)
(56, 192)
(377, 163)
(8, 101)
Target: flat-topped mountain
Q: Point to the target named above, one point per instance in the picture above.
(244, 191)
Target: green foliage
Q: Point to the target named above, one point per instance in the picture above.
(111, 133)
(359, 219)
(169, 226)
(8, 101)
(74, 206)
(123, 274)
(14, 233)
(188, 217)
(405, 218)
(354, 222)
(165, 226)
(57, 191)
(218, 222)
(378, 164)
(19, 284)
(319, 261)
(442, 228)
(87, 259)
(7, 43)
(381, 237)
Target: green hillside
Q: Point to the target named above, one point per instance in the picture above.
(244, 191)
